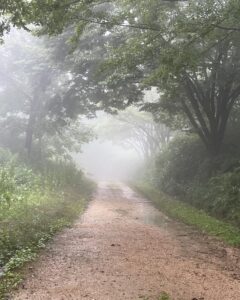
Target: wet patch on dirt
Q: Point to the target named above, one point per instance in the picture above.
(124, 248)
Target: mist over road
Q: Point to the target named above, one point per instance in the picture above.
(123, 248)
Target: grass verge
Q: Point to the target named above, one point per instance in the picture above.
(162, 296)
(27, 227)
(190, 215)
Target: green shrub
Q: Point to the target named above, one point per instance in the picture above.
(223, 196)
(184, 170)
(33, 206)
(179, 164)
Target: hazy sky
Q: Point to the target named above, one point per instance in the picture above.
(105, 161)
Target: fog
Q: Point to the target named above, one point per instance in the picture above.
(122, 143)
(103, 160)
(108, 157)
(120, 120)
(49, 113)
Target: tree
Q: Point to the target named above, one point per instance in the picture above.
(187, 49)
(34, 114)
(50, 17)
(192, 62)
(13, 13)
(136, 130)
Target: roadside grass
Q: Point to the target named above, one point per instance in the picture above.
(190, 215)
(34, 224)
(27, 225)
(162, 296)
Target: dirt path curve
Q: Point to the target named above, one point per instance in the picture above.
(123, 248)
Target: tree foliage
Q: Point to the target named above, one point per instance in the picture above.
(189, 50)
(135, 130)
(192, 61)
(35, 115)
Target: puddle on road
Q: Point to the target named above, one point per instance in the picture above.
(143, 211)
(152, 216)
(122, 212)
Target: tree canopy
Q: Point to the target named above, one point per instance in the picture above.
(188, 50)
(33, 108)
(135, 130)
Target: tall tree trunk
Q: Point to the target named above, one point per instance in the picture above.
(29, 134)
(31, 124)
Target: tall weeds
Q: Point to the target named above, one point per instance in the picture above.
(33, 206)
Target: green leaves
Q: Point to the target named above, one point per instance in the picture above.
(38, 206)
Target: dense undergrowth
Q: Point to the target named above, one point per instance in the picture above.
(34, 205)
(185, 170)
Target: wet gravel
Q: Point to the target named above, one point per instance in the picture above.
(123, 248)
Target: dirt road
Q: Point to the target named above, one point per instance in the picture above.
(123, 248)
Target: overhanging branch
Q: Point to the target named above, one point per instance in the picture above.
(226, 28)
